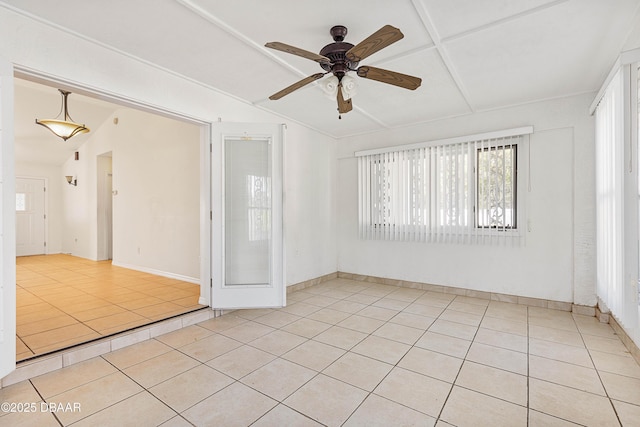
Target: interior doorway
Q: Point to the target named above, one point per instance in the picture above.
(99, 277)
(104, 179)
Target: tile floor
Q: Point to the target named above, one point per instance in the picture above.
(354, 354)
(64, 300)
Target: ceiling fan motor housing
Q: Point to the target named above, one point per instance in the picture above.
(336, 52)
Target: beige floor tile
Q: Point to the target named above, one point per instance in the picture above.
(328, 315)
(626, 389)
(416, 391)
(190, 387)
(502, 339)
(497, 357)
(556, 335)
(321, 301)
(432, 364)
(360, 371)
(242, 406)
(400, 333)
(538, 419)
(504, 325)
(465, 307)
(347, 306)
(621, 365)
(424, 310)
(277, 319)
(278, 379)
(413, 320)
(605, 344)
(247, 331)
(331, 409)
(454, 329)
(282, 415)
(210, 347)
(381, 349)
(445, 344)
(591, 326)
(436, 299)
(221, 323)
(278, 342)
(469, 408)
(340, 337)
(184, 336)
(561, 352)
(27, 419)
(585, 408)
(507, 311)
(19, 392)
(314, 355)
(495, 382)
(158, 310)
(95, 396)
(300, 309)
(160, 368)
(241, 361)
(376, 411)
(136, 353)
(378, 313)
(363, 298)
(406, 294)
(306, 327)
(461, 317)
(147, 409)
(566, 374)
(177, 421)
(391, 304)
(361, 324)
(64, 379)
(628, 414)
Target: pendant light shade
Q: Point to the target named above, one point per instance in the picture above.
(65, 128)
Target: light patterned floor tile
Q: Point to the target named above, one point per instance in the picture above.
(242, 406)
(376, 411)
(314, 355)
(282, 415)
(241, 361)
(278, 379)
(331, 409)
(416, 391)
(147, 409)
(359, 371)
(466, 408)
(495, 382)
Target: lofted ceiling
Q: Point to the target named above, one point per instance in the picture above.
(472, 55)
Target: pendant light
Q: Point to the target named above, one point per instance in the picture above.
(66, 128)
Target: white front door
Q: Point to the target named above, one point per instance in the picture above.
(30, 216)
(7, 224)
(247, 234)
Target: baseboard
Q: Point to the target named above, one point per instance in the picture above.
(180, 277)
(311, 282)
(626, 339)
(492, 296)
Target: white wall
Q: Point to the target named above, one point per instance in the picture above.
(155, 166)
(310, 232)
(557, 260)
(55, 180)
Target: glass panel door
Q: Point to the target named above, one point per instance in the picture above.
(247, 220)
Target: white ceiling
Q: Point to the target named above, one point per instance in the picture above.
(472, 55)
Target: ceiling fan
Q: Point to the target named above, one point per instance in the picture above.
(340, 57)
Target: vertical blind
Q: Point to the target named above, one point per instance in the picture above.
(463, 191)
(610, 204)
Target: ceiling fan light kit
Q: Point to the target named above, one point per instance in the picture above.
(340, 58)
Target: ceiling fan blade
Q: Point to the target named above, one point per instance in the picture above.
(343, 106)
(297, 51)
(296, 86)
(375, 42)
(390, 77)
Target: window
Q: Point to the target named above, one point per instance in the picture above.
(451, 190)
(21, 202)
